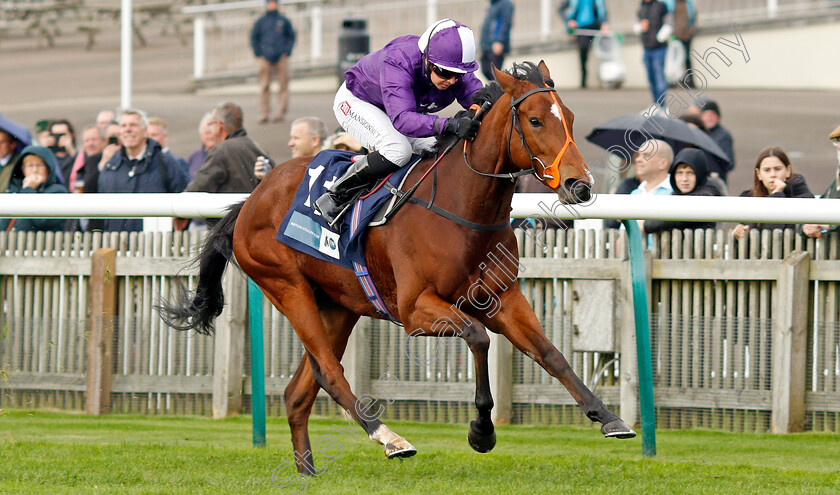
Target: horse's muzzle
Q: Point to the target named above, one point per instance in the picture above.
(579, 191)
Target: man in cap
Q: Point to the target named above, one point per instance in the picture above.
(711, 119)
(832, 192)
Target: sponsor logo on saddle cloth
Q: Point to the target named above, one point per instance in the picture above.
(305, 230)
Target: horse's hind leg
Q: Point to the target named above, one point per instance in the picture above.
(426, 320)
(296, 300)
(517, 321)
(302, 390)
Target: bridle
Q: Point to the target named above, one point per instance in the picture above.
(550, 175)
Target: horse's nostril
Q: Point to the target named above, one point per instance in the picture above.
(579, 190)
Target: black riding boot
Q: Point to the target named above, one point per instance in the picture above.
(361, 173)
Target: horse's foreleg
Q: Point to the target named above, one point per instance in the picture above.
(517, 321)
(302, 390)
(434, 317)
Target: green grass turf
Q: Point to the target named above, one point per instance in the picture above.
(49, 452)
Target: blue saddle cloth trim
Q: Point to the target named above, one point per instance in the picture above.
(304, 230)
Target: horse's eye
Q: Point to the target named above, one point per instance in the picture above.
(535, 122)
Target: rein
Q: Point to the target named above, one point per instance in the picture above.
(548, 173)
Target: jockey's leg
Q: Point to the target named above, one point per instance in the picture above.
(360, 174)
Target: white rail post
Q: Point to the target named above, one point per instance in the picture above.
(316, 50)
(199, 45)
(772, 8)
(126, 41)
(431, 12)
(545, 19)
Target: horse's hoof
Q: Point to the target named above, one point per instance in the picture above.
(479, 442)
(617, 429)
(405, 449)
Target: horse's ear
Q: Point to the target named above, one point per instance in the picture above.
(543, 70)
(507, 81)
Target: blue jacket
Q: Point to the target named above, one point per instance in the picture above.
(497, 23)
(146, 175)
(394, 79)
(272, 36)
(51, 185)
(587, 13)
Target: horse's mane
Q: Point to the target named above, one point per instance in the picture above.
(525, 71)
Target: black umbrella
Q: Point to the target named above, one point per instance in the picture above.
(624, 135)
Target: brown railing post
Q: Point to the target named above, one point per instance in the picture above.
(789, 344)
(103, 296)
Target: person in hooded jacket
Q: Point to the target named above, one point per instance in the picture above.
(387, 98)
(774, 178)
(689, 177)
(35, 172)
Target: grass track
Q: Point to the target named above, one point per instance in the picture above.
(47, 452)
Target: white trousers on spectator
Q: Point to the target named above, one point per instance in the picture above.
(372, 128)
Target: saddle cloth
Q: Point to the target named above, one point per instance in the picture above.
(303, 228)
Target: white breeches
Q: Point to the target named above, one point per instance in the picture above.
(372, 128)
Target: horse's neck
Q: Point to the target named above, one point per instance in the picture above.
(484, 200)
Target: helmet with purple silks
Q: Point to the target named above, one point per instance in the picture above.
(450, 45)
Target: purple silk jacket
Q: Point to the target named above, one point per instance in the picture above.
(392, 78)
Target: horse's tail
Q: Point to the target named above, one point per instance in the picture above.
(197, 310)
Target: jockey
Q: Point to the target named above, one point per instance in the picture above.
(386, 99)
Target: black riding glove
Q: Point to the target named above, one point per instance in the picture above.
(463, 127)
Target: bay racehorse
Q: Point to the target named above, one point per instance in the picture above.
(428, 268)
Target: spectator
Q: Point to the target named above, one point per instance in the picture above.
(625, 186)
(654, 31)
(590, 15)
(104, 118)
(138, 166)
(694, 119)
(832, 192)
(307, 136)
(208, 139)
(112, 133)
(272, 39)
(689, 175)
(93, 145)
(711, 118)
(87, 160)
(93, 142)
(229, 166)
(35, 171)
(652, 162)
(157, 130)
(10, 147)
(43, 132)
(774, 178)
(62, 143)
(495, 36)
(685, 19)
